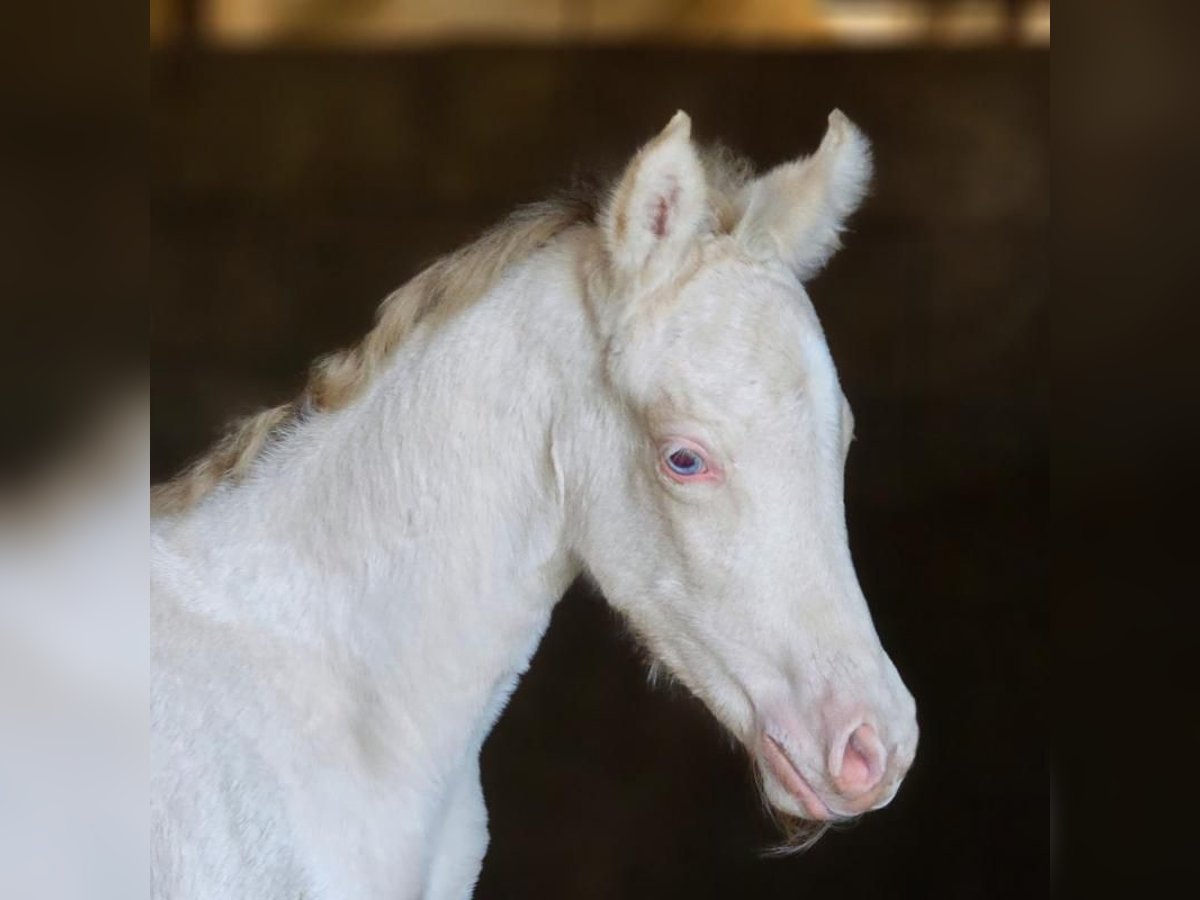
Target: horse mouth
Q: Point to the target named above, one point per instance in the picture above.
(788, 775)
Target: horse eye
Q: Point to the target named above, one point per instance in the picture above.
(685, 462)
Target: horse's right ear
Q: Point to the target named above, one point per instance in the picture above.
(659, 207)
(796, 211)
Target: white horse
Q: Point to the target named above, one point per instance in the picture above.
(348, 588)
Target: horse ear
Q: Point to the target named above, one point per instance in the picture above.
(659, 206)
(797, 210)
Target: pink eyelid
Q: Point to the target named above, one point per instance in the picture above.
(711, 472)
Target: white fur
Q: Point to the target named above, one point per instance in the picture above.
(336, 634)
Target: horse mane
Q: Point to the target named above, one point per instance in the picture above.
(448, 286)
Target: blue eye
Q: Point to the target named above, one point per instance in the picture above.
(685, 462)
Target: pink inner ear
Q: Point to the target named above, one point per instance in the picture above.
(662, 211)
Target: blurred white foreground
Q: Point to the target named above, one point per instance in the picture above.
(73, 669)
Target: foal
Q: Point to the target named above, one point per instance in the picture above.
(348, 588)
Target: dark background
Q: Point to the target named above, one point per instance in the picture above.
(291, 191)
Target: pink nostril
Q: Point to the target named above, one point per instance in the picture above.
(863, 762)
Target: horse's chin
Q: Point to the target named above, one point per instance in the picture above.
(799, 829)
(785, 787)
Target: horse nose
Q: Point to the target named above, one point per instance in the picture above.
(858, 765)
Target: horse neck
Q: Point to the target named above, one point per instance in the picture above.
(420, 532)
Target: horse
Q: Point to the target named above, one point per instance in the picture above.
(631, 385)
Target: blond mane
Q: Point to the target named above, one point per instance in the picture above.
(448, 286)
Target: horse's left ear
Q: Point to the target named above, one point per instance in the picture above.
(797, 210)
(659, 206)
